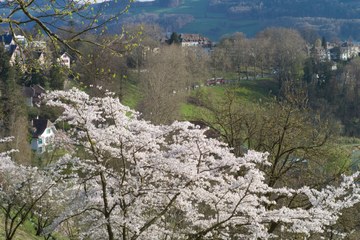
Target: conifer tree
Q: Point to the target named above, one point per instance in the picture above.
(13, 117)
(7, 87)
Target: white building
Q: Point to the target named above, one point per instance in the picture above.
(65, 60)
(43, 134)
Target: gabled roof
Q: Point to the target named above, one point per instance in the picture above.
(6, 38)
(347, 44)
(185, 37)
(28, 92)
(36, 54)
(33, 91)
(40, 125)
(38, 89)
(12, 48)
(65, 54)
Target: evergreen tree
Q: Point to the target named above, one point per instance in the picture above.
(13, 116)
(175, 38)
(57, 77)
(323, 42)
(7, 89)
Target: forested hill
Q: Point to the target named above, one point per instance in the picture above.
(214, 18)
(294, 8)
(333, 19)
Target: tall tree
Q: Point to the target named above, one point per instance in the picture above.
(129, 179)
(173, 182)
(57, 77)
(292, 134)
(148, 40)
(174, 38)
(288, 54)
(26, 190)
(103, 67)
(350, 92)
(13, 117)
(8, 86)
(164, 84)
(220, 61)
(236, 47)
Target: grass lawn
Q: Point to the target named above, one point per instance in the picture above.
(132, 95)
(353, 145)
(247, 90)
(25, 232)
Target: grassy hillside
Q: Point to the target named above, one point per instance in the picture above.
(247, 90)
(25, 232)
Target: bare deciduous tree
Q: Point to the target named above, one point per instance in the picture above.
(164, 84)
(288, 54)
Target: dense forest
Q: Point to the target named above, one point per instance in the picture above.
(282, 8)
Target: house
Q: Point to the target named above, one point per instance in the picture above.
(26, 53)
(39, 58)
(11, 45)
(43, 133)
(191, 40)
(32, 95)
(16, 55)
(348, 50)
(7, 39)
(15, 46)
(64, 60)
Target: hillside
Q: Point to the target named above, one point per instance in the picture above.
(333, 19)
(214, 18)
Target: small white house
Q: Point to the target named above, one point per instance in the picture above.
(43, 134)
(64, 60)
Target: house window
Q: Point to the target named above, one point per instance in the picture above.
(40, 141)
(48, 131)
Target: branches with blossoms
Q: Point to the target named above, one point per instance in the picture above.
(129, 179)
(142, 181)
(28, 192)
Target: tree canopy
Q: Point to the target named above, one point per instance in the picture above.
(126, 178)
